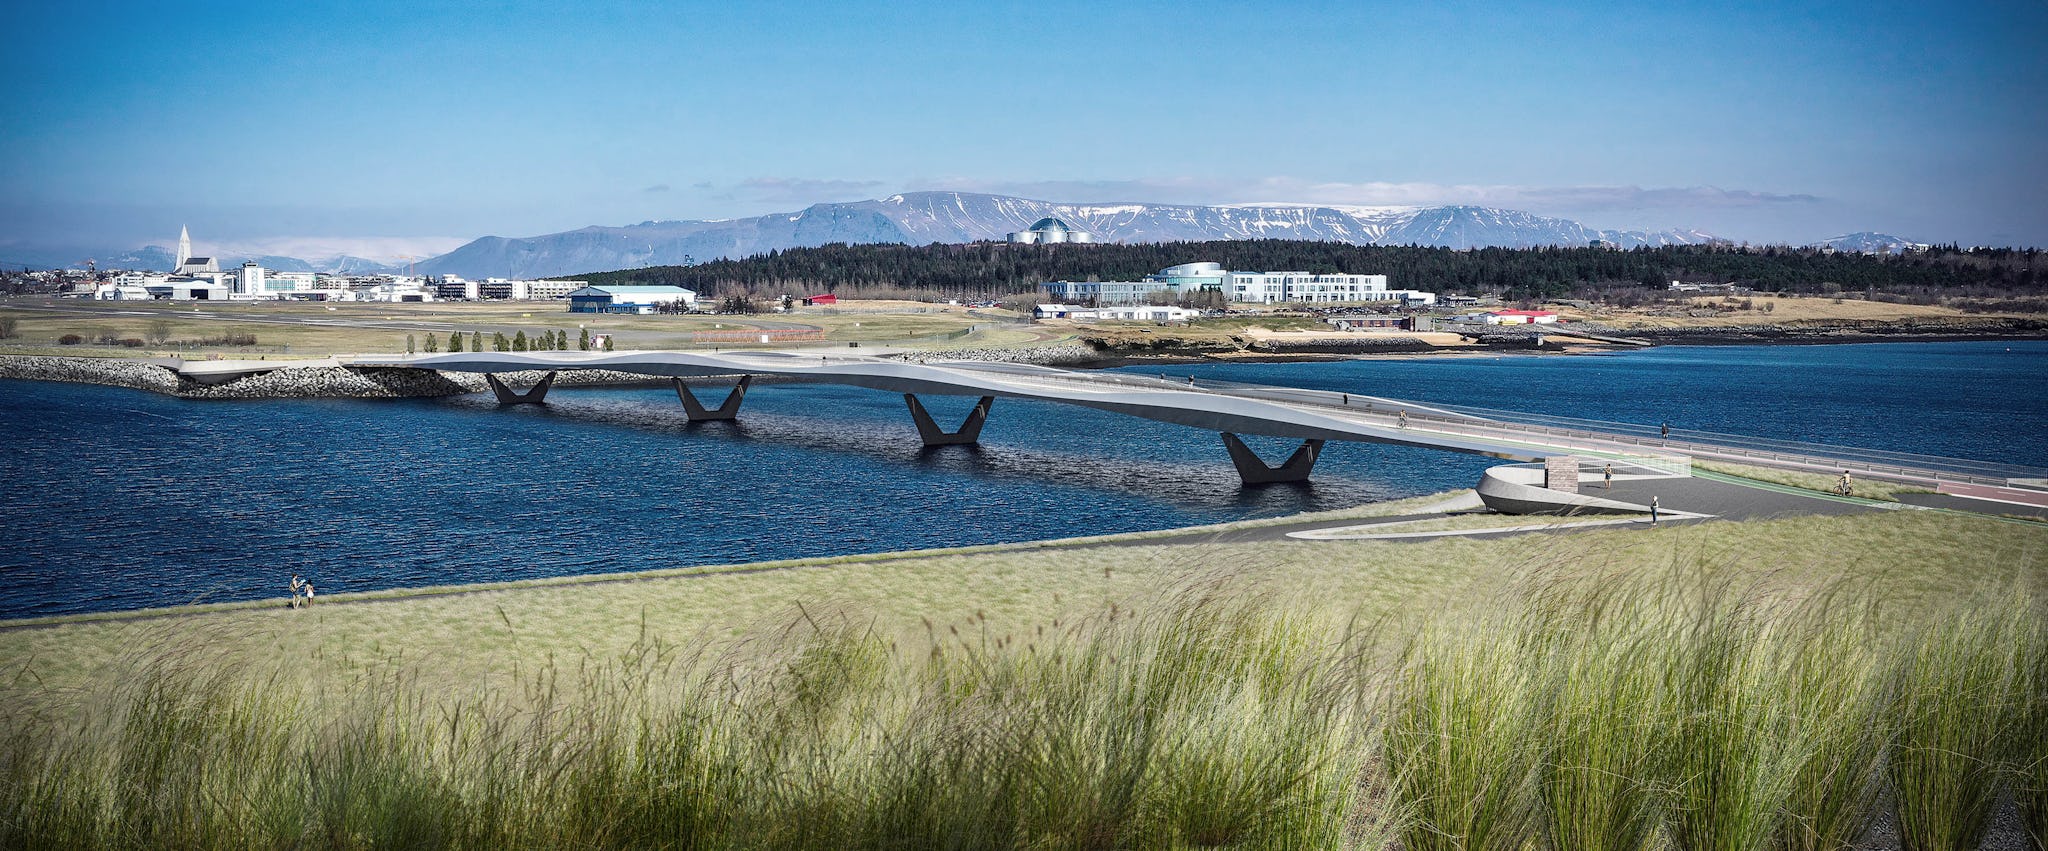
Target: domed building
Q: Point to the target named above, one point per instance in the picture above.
(1050, 230)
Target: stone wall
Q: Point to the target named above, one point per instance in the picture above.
(1042, 355)
(295, 382)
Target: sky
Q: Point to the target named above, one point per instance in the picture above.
(392, 128)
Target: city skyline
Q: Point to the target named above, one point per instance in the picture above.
(383, 129)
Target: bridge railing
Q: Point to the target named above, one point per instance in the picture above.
(1689, 441)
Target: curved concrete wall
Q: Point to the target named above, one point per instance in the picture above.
(1516, 489)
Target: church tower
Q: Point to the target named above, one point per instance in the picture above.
(184, 246)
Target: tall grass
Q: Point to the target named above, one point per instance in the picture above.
(1605, 727)
(2031, 780)
(1960, 708)
(1834, 689)
(1670, 709)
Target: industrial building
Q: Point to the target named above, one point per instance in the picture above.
(608, 299)
(1049, 231)
(1260, 287)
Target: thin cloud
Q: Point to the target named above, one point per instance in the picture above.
(1288, 190)
(659, 187)
(380, 248)
(802, 190)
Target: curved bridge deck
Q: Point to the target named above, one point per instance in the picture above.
(1274, 412)
(1309, 415)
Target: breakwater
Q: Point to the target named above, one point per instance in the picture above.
(348, 382)
(1843, 331)
(1039, 355)
(303, 382)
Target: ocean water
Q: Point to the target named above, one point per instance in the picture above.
(119, 499)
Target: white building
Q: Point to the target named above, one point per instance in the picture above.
(1049, 231)
(189, 265)
(501, 288)
(396, 288)
(1508, 317)
(251, 282)
(116, 290)
(455, 286)
(1258, 287)
(280, 283)
(1131, 313)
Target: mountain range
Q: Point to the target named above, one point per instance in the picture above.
(1865, 242)
(918, 218)
(157, 258)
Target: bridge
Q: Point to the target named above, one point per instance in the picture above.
(1553, 449)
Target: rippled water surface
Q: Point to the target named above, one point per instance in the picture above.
(119, 499)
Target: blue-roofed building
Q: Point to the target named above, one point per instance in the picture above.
(631, 299)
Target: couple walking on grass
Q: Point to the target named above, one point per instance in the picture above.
(302, 592)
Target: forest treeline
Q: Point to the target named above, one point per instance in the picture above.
(991, 270)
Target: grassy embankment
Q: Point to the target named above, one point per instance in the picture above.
(1725, 685)
(279, 330)
(1867, 488)
(1721, 311)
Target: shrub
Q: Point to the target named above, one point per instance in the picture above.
(70, 340)
(131, 342)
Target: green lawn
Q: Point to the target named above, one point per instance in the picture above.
(1866, 488)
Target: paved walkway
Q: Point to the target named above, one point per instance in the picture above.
(1686, 500)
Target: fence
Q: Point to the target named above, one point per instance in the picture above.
(1671, 452)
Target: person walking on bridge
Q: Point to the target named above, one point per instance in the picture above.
(1403, 414)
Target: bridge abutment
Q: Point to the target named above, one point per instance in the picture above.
(1253, 470)
(969, 433)
(535, 395)
(729, 410)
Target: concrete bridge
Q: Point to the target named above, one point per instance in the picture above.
(1314, 417)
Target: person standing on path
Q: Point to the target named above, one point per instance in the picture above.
(309, 594)
(1653, 517)
(1608, 475)
(298, 587)
(1667, 431)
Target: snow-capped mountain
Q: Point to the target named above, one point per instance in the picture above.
(919, 218)
(156, 258)
(1865, 242)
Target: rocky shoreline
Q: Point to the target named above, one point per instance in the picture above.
(1845, 331)
(340, 382)
(312, 382)
(1041, 355)
(293, 382)
(1168, 349)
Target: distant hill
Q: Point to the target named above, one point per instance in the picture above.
(921, 218)
(987, 270)
(1866, 242)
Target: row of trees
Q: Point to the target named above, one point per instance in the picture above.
(543, 341)
(992, 270)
